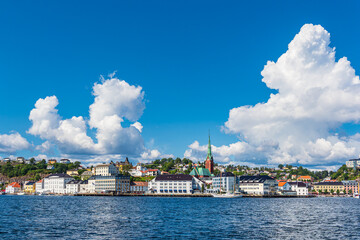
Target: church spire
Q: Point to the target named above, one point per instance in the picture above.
(209, 155)
(209, 162)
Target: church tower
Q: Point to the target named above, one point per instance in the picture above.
(209, 162)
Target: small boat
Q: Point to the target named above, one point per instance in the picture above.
(21, 193)
(227, 195)
(356, 195)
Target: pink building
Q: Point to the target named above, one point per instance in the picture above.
(351, 185)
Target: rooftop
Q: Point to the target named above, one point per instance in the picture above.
(60, 175)
(258, 178)
(329, 183)
(225, 174)
(299, 184)
(174, 177)
(200, 172)
(141, 184)
(281, 184)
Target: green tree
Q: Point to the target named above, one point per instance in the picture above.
(332, 191)
(350, 191)
(280, 166)
(338, 192)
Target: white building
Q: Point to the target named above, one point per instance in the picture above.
(353, 163)
(56, 183)
(139, 187)
(91, 184)
(39, 186)
(175, 184)
(65, 161)
(13, 188)
(106, 170)
(84, 187)
(300, 188)
(138, 171)
(73, 187)
(152, 172)
(257, 185)
(224, 181)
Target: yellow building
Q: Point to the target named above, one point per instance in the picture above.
(30, 187)
(72, 172)
(328, 186)
(121, 165)
(305, 179)
(52, 161)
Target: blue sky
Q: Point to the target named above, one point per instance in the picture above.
(195, 60)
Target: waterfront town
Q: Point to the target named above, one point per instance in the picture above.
(169, 177)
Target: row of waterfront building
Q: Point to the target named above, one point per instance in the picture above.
(106, 179)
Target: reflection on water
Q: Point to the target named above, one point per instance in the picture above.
(48, 217)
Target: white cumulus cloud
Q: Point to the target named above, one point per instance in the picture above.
(114, 102)
(11, 143)
(316, 95)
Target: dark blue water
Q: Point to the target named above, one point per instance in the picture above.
(51, 217)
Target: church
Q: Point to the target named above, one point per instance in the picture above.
(209, 165)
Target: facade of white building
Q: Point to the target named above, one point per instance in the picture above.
(174, 184)
(300, 188)
(152, 172)
(353, 163)
(91, 184)
(106, 170)
(39, 186)
(257, 185)
(56, 183)
(13, 188)
(139, 187)
(225, 181)
(73, 187)
(138, 171)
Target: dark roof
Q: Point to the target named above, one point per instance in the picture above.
(63, 175)
(258, 178)
(30, 183)
(355, 159)
(225, 174)
(329, 183)
(74, 182)
(118, 176)
(174, 177)
(299, 184)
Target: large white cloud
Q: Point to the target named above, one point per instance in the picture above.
(115, 101)
(11, 143)
(316, 94)
(223, 153)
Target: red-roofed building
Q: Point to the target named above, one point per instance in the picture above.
(13, 188)
(139, 187)
(152, 172)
